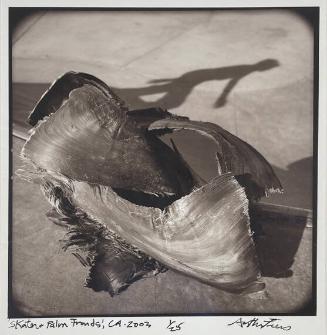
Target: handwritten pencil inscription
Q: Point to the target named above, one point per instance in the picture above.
(260, 324)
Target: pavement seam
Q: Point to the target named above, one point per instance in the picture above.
(28, 28)
(206, 20)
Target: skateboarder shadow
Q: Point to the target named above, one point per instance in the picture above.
(176, 90)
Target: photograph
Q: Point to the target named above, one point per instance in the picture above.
(163, 161)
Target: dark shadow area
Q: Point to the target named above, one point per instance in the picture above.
(278, 242)
(21, 19)
(310, 15)
(14, 310)
(297, 181)
(307, 308)
(176, 90)
(18, 15)
(278, 236)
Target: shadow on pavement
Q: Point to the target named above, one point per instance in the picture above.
(175, 90)
(278, 243)
(297, 181)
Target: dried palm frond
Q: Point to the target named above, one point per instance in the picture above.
(132, 204)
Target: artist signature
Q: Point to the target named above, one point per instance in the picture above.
(261, 324)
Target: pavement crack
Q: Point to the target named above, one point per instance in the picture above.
(181, 33)
(15, 40)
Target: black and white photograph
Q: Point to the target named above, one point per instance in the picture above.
(163, 162)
